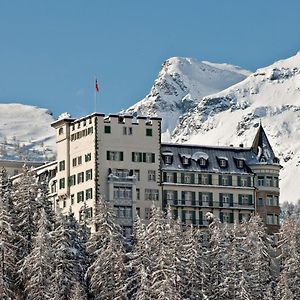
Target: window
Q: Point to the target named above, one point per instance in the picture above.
(80, 177)
(72, 180)
(269, 181)
(62, 165)
(121, 192)
(187, 178)
(276, 181)
(90, 130)
(272, 219)
(260, 201)
(137, 194)
(123, 212)
(225, 180)
(169, 177)
(151, 175)
(149, 157)
(79, 160)
(168, 159)
(114, 155)
(62, 183)
(151, 194)
(80, 197)
(136, 173)
(226, 217)
(129, 130)
(107, 129)
(125, 130)
(202, 162)
(245, 199)
(244, 181)
(86, 213)
(72, 199)
(147, 213)
(88, 174)
(240, 163)
(137, 156)
(138, 211)
(74, 162)
(88, 157)
(223, 163)
(89, 194)
(185, 160)
(205, 179)
(261, 181)
(60, 131)
(272, 200)
(64, 203)
(148, 131)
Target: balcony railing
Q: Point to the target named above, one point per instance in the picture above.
(114, 178)
(196, 203)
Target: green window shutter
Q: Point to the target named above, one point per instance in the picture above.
(140, 157)
(250, 200)
(199, 179)
(200, 218)
(182, 197)
(164, 177)
(193, 178)
(175, 177)
(221, 200)
(153, 157)
(221, 217)
(182, 177)
(210, 179)
(249, 181)
(239, 181)
(175, 197)
(240, 218)
(193, 198)
(230, 180)
(220, 179)
(107, 155)
(121, 156)
(165, 201)
(231, 220)
(210, 195)
(231, 200)
(240, 200)
(144, 157)
(200, 199)
(194, 217)
(183, 213)
(175, 214)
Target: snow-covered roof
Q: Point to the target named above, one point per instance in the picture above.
(199, 154)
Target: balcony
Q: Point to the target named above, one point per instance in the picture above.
(131, 179)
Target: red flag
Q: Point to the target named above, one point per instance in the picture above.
(97, 86)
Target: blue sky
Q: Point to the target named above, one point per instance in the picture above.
(50, 50)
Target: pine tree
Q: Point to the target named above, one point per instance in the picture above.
(289, 244)
(38, 265)
(106, 274)
(138, 265)
(8, 251)
(69, 258)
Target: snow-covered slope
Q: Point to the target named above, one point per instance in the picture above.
(270, 95)
(180, 84)
(25, 133)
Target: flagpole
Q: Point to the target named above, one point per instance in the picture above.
(95, 94)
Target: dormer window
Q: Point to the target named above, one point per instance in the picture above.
(239, 163)
(202, 162)
(168, 159)
(223, 162)
(185, 160)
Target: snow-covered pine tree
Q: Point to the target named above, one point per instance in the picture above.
(106, 274)
(289, 245)
(138, 265)
(69, 260)
(8, 251)
(217, 261)
(163, 271)
(78, 293)
(258, 261)
(38, 266)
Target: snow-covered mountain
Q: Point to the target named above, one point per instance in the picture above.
(180, 84)
(25, 133)
(270, 95)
